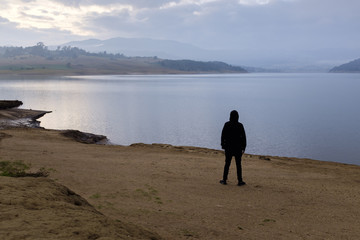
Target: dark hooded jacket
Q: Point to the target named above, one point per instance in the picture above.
(233, 137)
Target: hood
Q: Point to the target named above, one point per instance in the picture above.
(234, 116)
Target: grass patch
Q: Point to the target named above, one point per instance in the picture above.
(189, 234)
(269, 220)
(19, 169)
(95, 196)
(150, 193)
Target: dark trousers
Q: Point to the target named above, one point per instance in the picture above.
(228, 157)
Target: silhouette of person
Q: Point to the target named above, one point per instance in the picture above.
(233, 141)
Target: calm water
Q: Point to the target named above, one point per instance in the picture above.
(302, 115)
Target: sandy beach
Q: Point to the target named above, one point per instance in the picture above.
(160, 191)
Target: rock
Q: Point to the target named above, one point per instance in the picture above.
(83, 137)
(5, 104)
(264, 158)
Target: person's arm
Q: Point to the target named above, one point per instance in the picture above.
(243, 139)
(223, 137)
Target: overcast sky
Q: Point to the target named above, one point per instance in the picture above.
(211, 24)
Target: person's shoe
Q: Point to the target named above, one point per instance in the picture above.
(223, 182)
(241, 183)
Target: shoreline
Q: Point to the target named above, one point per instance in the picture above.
(17, 117)
(63, 75)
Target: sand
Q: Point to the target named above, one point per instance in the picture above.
(40, 208)
(167, 192)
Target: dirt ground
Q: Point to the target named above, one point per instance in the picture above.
(170, 191)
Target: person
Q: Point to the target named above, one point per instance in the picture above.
(233, 141)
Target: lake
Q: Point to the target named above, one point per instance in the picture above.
(314, 115)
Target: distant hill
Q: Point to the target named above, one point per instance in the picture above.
(350, 67)
(143, 47)
(68, 60)
(257, 58)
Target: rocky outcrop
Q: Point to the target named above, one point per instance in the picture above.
(83, 137)
(5, 104)
(11, 116)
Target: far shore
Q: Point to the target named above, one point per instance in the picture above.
(159, 191)
(54, 74)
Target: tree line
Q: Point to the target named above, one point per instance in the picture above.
(43, 51)
(198, 66)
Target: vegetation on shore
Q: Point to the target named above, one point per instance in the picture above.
(189, 65)
(39, 60)
(20, 169)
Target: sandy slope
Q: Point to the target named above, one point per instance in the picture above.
(39, 208)
(174, 191)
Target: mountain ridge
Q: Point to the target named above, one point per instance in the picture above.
(350, 67)
(144, 47)
(259, 57)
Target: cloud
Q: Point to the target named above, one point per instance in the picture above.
(262, 26)
(135, 3)
(65, 16)
(3, 20)
(174, 4)
(12, 35)
(254, 2)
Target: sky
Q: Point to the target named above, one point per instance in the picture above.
(268, 25)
